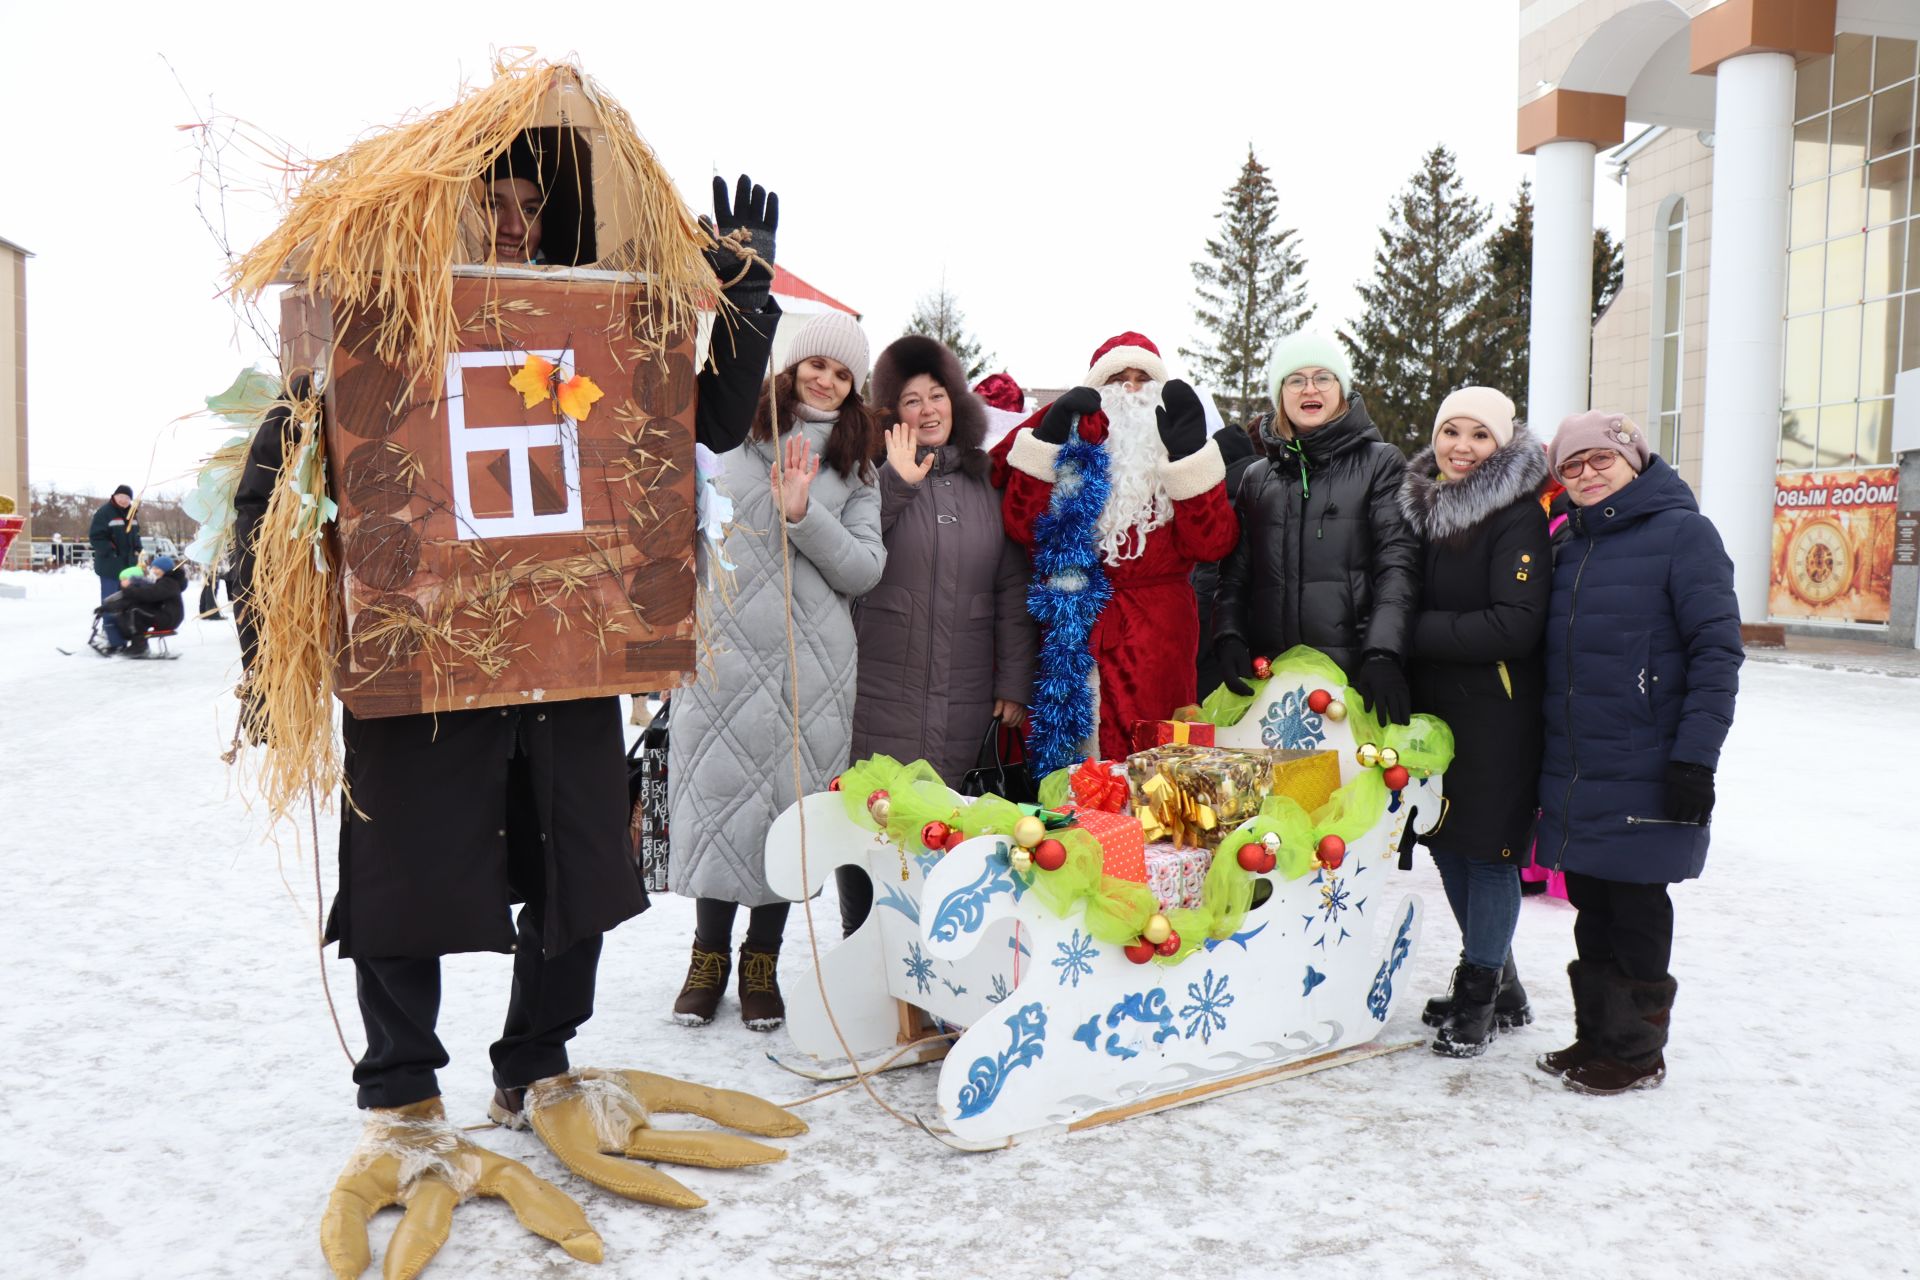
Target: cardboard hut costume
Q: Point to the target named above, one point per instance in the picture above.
(472, 518)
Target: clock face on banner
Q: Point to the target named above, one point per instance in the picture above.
(1819, 562)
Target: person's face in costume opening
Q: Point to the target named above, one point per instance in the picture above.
(1311, 398)
(1595, 475)
(823, 382)
(122, 501)
(1460, 445)
(1130, 378)
(513, 206)
(926, 409)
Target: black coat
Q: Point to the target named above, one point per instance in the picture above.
(456, 816)
(157, 605)
(1326, 558)
(115, 540)
(1477, 660)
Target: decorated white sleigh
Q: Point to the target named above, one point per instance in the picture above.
(1063, 1028)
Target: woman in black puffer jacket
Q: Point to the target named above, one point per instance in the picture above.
(1477, 664)
(1326, 558)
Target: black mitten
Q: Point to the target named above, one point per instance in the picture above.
(1236, 664)
(1383, 690)
(1064, 412)
(1689, 792)
(1183, 423)
(755, 211)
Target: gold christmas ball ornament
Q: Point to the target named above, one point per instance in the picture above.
(1022, 860)
(1029, 831)
(1389, 757)
(1368, 755)
(1336, 710)
(881, 808)
(1158, 930)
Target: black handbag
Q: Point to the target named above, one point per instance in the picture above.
(647, 790)
(992, 774)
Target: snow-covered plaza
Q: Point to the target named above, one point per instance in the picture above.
(176, 1103)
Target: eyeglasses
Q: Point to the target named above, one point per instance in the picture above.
(1598, 459)
(1298, 382)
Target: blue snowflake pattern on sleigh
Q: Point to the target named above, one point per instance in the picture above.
(1291, 725)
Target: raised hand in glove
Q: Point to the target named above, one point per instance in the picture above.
(1063, 413)
(753, 217)
(411, 1155)
(1383, 691)
(1689, 792)
(1183, 423)
(1236, 664)
(598, 1123)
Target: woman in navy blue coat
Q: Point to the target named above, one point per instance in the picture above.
(1643, 661)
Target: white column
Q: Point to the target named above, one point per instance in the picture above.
(1746, 300)
(1560, 330)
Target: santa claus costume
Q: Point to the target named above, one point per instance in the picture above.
(1117, 491)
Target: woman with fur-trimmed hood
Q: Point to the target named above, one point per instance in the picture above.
(1477, 664)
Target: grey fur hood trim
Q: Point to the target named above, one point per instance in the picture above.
(1438, 509)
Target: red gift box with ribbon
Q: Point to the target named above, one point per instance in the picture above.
(1123, 846)
(1148, 734)
(1100, 784)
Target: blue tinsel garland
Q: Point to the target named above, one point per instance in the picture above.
(1068, 591)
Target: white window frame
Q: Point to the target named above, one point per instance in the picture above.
(1666, 275)
(515, 439)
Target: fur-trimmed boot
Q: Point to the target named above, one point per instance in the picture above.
(1589, 980)
(1468, 1029)
(707, 976)
(1510, 1007)
(761, 1005)
(1633, 1035)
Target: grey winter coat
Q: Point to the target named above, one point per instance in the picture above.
(730, 751)
(947, 630)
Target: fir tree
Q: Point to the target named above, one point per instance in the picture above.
(1251, 292)
(938, 316)
(1419, 337)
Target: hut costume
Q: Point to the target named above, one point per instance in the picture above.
(472, 518)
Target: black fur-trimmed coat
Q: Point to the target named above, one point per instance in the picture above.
(1476, 654)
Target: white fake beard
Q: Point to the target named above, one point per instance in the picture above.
(1137, 501)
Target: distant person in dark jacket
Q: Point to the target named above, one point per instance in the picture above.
(1643, 662)
(146, 604)
(1476, 663)
(115, 538)
(1326, 558)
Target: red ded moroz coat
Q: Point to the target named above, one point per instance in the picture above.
(1147, 637)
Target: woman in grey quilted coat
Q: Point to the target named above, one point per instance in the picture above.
(730, 752)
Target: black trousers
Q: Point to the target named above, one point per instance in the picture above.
(856, 898)
(1629, 925)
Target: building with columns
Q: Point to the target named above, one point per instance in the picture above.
(1767, 333)
(13, 395)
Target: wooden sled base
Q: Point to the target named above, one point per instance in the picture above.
(1180, 1098)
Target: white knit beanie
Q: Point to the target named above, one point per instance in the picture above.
(1304, 349)
(835, 335)
(1483, 405)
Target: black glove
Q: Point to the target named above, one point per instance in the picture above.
(1689, 792)
(1183, 423)
(756, 211)
(1383, 691)
(1236, 664)
(1062, 413)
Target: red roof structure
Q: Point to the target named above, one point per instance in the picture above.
(788, 285)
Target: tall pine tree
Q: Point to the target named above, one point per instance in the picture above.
(938, 316)
(1252, 291)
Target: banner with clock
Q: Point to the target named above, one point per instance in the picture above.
(1833, 534)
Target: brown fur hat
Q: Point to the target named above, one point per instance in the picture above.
(907, 358)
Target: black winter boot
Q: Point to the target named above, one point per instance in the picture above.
(762, 1007)
(1510, 1007)
(1468, 1029)
(1633, 1036)
(1589, 980)
(706, 982)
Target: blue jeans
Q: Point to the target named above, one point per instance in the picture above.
(1485, 897)
(115, 639)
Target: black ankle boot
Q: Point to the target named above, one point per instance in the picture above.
(1468, 1029)
(1510, 1007)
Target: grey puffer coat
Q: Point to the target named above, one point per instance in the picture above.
(947, 630)
(730, 751)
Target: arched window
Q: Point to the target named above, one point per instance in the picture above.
(1667, 371)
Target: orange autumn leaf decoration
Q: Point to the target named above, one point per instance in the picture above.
(577, 395)
(534, 379)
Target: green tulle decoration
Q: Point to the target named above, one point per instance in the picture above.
(1056, 789)
(1298, 665)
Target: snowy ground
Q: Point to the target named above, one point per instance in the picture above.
(174, 1102)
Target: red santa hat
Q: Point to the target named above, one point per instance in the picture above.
(1125, 351)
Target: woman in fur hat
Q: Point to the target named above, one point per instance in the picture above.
(1476, 663)
(946, 642)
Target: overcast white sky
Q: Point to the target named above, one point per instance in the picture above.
(1061, 165)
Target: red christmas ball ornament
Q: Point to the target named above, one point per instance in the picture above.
(934, 835)
(1396, 778)
(835, 784)
(955, 838)
(1251, 855)
(1318, 701)
(1332, 850)
(1262, 668)
(1140, 952)
(1171, 946)
(1267, 862)
(1049, 855)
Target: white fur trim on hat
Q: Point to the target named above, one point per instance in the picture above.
(1306, 349)
(1125, 358)
(835, 335)
(1483, 405)
(1194, 474)
(1033, 456)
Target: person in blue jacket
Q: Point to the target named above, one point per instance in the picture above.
(1643, 661)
